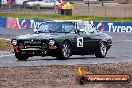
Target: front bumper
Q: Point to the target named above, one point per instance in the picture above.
(50, 51)
(36, 47)
(34, 52)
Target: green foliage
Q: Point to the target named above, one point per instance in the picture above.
(3, 44)
(59, 17)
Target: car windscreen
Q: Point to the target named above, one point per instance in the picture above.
(57, 27)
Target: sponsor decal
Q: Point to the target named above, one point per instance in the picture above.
(83, 77)
(114, 26)
(19, 23)
(119, 27)
(80, 42)
(36, 23)
(30, 23)
(24, 24)
(12, 23)
(101, 27)
(3, 22)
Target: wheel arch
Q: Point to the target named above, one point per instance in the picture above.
(60, 50)
(105, 42)
(69, 41)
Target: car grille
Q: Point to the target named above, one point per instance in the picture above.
(33, 44)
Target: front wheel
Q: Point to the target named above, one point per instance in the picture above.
(21, 57)
(65, 51)
(102, 51)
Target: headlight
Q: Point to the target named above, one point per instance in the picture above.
(51, 42)
(14, 42)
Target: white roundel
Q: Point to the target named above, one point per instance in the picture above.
(24, 24)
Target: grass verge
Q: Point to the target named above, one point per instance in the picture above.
(4, 44)
(59, 17)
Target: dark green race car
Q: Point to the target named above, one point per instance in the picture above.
(62, 40)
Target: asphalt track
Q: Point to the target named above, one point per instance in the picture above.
(121, 51)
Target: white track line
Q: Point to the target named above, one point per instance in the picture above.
(6, 55)
(5, 39)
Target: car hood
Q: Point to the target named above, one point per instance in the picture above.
(40, 36)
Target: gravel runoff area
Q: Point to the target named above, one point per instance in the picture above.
(59, 76)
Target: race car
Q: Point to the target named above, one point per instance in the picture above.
(62, 40)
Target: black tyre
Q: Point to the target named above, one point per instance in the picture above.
(65, 51)
(102, 51)
(21, 57)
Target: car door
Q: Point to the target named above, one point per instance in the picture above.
(80, 39)
(85, 41)
(92, 37)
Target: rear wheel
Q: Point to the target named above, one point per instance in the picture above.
(65, 51)
(102, 51)
(21, 57)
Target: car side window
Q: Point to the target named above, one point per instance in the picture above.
(68, 27)
(44, 28)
